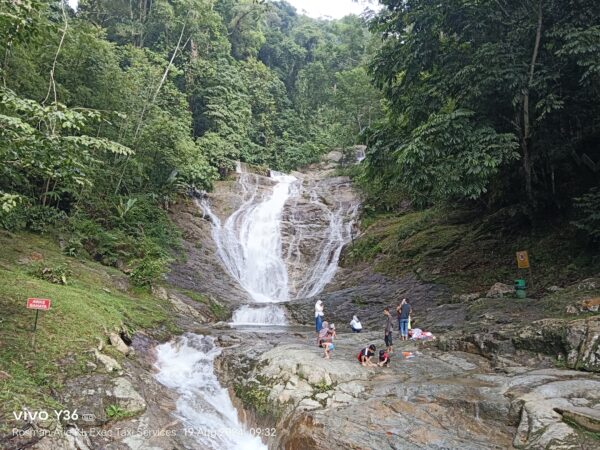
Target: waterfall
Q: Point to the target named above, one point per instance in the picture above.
(204, 407)
(249, 242)
(259, 315)
(338, 234)
(249, 245)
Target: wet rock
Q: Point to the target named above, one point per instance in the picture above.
(500, 290)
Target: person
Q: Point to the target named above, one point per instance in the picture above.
(387, 337)
(365, 355)
(324, 334)
(318, 315)
(384, 358)
(328, 347)
(418, 334)
(404, 311)
(355, 325)
(327, 341)
(332, 331)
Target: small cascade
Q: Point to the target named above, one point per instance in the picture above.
(259, 315)
(338, 234)
(204, 407)
(360, 154)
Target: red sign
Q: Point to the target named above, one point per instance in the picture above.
(38, 303)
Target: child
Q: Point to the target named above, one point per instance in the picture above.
(328, 347)
(365, 355)
(384, 358)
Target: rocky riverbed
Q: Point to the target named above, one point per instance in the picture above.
(437, 399)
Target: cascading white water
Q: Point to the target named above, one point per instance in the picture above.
(338, 234)
(249, 242)
(186, 365)
(259, 315)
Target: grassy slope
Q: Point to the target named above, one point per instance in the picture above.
(470, 253)
(81, 311)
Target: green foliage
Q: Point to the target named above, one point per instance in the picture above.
(463, 99)
(449, 157)
(588, 207)
(148, 270)
(58, 274)
(116, 412)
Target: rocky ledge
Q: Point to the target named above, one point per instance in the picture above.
(437, 399)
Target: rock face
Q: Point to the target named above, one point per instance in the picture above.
(573, 343)
(365, 294)
(93, 395)
(317, 221)
(433, 400)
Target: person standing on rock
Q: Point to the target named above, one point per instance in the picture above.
(388, 331)
(403, 310)
(318, 315)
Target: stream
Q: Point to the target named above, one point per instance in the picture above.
(252, 247)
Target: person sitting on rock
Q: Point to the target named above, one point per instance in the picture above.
(384, 358)
(355, 325)
(365, 355)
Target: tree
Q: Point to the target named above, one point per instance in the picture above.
(509, 62)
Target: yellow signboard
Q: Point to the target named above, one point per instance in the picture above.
(522, 260)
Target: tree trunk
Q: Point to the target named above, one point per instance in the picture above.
(526, 129)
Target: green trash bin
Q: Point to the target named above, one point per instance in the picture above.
(520, 288)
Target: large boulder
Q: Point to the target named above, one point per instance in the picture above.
(577, 342)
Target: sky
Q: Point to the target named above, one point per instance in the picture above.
(316, 8)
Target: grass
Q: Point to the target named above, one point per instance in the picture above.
(96, 298)
(219, 311)
(115, 412)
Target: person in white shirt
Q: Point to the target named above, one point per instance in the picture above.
(318, 315)
(355, 325)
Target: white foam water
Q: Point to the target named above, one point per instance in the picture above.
(204, 407)
(249, 244)
(259, 315)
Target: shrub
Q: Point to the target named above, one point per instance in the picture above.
(56, 275)
(148, 270)
(588, 208)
